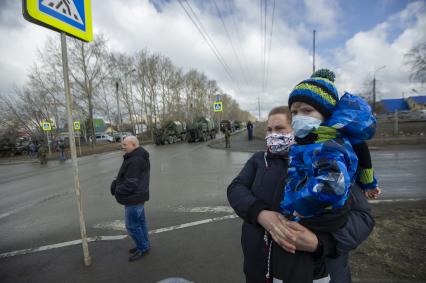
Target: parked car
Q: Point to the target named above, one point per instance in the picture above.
(117, 135)
(420, 114)
(104, 137)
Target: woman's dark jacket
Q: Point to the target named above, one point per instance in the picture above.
(132, 184)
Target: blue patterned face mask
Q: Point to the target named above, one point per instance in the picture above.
(302, 125)
(279, 143)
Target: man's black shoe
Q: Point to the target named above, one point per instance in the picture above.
(133, 250)
(137, 255)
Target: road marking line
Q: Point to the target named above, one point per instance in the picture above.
(191, 224)
(203, 209)
(119, 225)
(113, 238)
(396, 175)
(394, 200)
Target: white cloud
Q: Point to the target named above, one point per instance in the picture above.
(18, 52)
(325, 15)
(133, 25)
(367, 51)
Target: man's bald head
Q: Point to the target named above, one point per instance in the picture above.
(130, 143)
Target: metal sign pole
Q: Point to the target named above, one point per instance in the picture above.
(79, 142)
(48, 143)
(87, 258)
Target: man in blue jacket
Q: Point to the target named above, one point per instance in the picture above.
(131, 189)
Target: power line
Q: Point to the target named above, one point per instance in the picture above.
(231, 42)
(211, 41)
(270, 45)
(264, 44)
(203, 32)
(261, 37)
(239, 41)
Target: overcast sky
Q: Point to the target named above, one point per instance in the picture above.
(354, 38)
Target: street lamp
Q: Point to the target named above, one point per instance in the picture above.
(118, 104)
(374, 86)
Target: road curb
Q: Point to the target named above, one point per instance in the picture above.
(19, 162)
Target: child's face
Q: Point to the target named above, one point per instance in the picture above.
(304, 109)
(279, 124)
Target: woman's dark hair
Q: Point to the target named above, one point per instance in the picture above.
(280, 110)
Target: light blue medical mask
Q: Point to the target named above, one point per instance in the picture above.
(302, 125)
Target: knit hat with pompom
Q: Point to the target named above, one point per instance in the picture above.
(318, 91)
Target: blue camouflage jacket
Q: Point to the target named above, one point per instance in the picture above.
(320, 173)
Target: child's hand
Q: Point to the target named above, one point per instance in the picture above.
(373, 194)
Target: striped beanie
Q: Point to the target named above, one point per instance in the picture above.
(318, 91)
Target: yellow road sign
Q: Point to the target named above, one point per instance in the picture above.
(74, 17)
(218, 106)
(77, 125)
(46, 126)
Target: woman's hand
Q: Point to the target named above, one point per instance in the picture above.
(272, 221)
(304, 239)
(291, 236)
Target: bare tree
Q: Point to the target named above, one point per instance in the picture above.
(28, 108)
(88, 69)
(416, 60)
(122, 72)
(156, 92)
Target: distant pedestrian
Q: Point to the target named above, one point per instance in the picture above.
(31, 150)
(61, 150)
(227, 138)
(42, 153)
(250, 130)
(131, 189)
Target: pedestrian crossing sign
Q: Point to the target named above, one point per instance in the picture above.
(218, 106)
(77, 125)
(46, 126)
(73, 17)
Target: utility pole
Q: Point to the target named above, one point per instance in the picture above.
(313, 53)
(374, 93)
(374, 86)
(118, 102)
(120, 121)
(258, 106)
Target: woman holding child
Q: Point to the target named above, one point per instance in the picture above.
(287, 235)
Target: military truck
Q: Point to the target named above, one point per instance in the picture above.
(171, 132)
(201, 130)
(8, 148)
(238, 125)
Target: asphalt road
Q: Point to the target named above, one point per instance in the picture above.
(188, 184)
